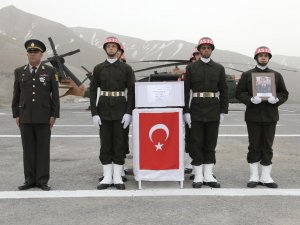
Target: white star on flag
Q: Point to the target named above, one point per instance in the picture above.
(158, 146)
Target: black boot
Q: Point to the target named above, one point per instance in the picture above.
(120, 186)
(213, 184)
(102, 186)
(269, 185)
(197, 184)
(252, 184)
(26, 186)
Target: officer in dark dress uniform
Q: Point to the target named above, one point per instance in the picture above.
(209, 103)
(112, 111)
(35, 106)
(261, 118)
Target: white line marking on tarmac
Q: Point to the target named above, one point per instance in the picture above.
(230, 192)
(58, 125)
(82, 112)
(286, 110)
(94, 136)
(238, 125)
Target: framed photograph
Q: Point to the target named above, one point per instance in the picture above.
(263, 85)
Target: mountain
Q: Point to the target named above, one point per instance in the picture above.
(17, 26)
(289, 61)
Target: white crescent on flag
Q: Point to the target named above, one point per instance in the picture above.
(157, 127)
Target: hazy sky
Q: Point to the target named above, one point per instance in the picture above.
(236, 25)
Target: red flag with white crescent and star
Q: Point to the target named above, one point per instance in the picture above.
(159, 141)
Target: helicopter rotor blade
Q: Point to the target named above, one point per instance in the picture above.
(52, 46)
(234, 69)
(161, 66)
(88, 75)
(85, 69)
(163, 60)
(71, 75)
(70, 53)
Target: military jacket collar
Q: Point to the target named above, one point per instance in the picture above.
(210, 63)
(260, 70)
(116, 63)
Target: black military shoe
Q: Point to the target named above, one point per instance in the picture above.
(188, 171)
(120, 186)
(103, 186)
(252, 184)
(197, 184)
(269, 185)
(204, 183)
(44, 187)
(192, 176)
(26, 186)
(213, 184)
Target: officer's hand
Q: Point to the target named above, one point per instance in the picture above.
(52, 121)
(273, 100)
(187, 119)
(126, 120)
(97, 121)
(256, 100)
(221, 117)
(18, 121)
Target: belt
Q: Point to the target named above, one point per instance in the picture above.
(112, 93)
(205, 94)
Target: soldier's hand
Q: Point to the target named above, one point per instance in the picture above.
(126, 120)
(18, 121)
(273, 100)
(187, 119)
(256, 100)
(97, 121)
(52, 121)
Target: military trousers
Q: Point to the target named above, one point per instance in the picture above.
(36, 152)
(203, 142)
(261, 136)
(126, 139)
(112, 141)
(187, 137)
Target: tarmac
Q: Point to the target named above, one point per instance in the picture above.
(75, 169)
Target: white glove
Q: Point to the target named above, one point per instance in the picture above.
(126, 120)
(273, 100)
(221, 117)
(256, 100)
(97, 121)
(187, 119)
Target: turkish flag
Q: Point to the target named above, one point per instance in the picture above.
(159, 140)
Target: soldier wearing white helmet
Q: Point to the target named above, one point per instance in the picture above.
(209, 103)
(261, 117)
(112, 111)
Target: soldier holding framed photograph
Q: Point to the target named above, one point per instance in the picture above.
(262, 90)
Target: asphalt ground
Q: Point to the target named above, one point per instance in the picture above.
(75, 168)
